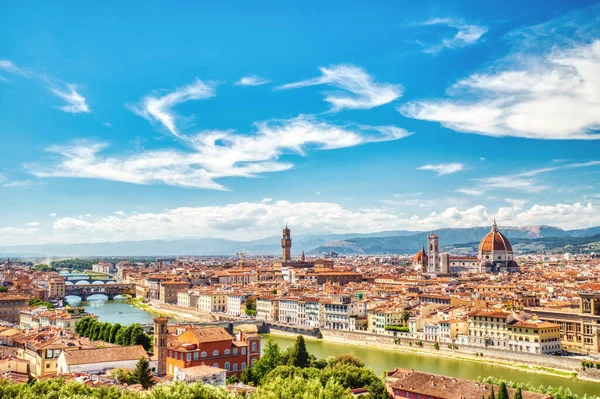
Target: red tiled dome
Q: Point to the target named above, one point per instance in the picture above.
(420, 257)
(494, 241)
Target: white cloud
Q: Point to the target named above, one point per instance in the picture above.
(213, 155)
(76, 102)
(10, 67)
(18, 183)
(523, 181)
(555, 95)
(444, 168)
(107, 124)
(252, 81)
(120, 213)
(466, 34)
(266, 200)
(255, 220)
(32, 224)
(160, 109)
(52, 215)
(358, 89)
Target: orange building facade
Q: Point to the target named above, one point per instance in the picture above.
(212, 347)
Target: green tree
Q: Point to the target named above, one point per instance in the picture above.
(106, 332)
(298, 355)
(436, 346)
(113, 333)
(142, 373)
(121, 336)
(492, 396)
(250, 309)
(518, 394)
(270, 359)
(298, 387)
(343, 359)
(503, 392)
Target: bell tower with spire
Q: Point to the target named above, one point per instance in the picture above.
(286, 245)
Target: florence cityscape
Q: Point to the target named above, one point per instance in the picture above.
(297, 200)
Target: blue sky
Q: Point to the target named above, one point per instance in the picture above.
(147, 120)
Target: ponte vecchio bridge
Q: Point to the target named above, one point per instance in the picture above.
(110, 290)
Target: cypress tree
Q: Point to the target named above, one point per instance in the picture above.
(113, 333)
(106, 332)
(492, 396)
(299, 356)
(503, 392)
(518, 394)
(142, 373)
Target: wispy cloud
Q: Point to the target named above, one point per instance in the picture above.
(18, 183)
(160, 108)
(444, 168)
(358, 89)
(466, 34)
(32, 224)
(523, 181)
(252, 80)
(547, 88)
(10, 67)
(213, 154)
(75, 102)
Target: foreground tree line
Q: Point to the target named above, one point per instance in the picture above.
(113, 333)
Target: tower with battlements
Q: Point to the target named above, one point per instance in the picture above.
(286, 245)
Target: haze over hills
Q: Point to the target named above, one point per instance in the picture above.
(396, 241)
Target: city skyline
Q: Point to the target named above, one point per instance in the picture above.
(228, 121)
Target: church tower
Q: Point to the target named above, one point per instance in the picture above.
(434, 253)
(286, 245)
(160, 344)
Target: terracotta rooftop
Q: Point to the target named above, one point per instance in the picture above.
(447, 387)
(100, 355)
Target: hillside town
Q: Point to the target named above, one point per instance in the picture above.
(212, 310)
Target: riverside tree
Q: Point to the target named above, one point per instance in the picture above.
(143, 374)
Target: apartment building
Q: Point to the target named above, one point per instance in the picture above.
(488, 328)
(212, 346)
(579, 328)
(267, 308)
(534, 336)
(236, 304)
(170, 289)
(215, 301)
(11, 306)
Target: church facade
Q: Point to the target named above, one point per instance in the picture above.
(494, 255)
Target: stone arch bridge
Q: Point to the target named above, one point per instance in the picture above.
(110, 290)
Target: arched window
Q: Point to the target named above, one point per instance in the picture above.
(227, 351)
(215, 353)
(203, 354)
(227, 367)
(216, 365)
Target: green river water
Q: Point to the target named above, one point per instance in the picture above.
(385, 359)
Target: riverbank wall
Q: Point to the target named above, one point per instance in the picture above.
(568, 364)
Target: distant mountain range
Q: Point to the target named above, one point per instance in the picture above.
(524, 239)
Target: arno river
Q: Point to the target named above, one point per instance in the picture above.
(377, 359)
